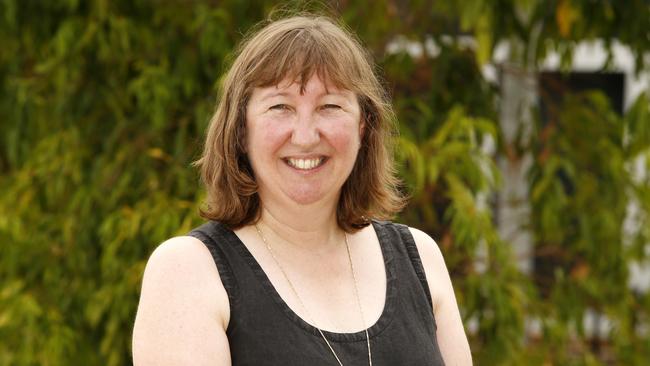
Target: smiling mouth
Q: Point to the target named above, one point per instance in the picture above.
(305, 164)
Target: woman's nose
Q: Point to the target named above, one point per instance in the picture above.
(305, 132)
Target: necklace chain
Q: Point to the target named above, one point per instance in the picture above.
(356, 291)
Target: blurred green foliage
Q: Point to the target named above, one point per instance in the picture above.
(103, 105)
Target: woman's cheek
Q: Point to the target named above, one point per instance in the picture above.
(271, 130)
(345, 135)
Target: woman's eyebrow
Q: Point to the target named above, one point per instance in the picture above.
(340, 96)
(274, 93)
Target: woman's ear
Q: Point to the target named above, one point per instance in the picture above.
(362, 128)
(363, 111)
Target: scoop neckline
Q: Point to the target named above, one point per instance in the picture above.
(390, 294)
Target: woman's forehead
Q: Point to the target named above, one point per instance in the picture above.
(314, 85)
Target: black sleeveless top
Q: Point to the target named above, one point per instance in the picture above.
(263, 330)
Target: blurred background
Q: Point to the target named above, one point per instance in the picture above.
(524, 144)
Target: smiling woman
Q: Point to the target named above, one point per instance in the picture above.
(290, 53)
(294, 266)
(302, 144)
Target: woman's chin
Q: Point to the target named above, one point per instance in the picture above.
(306, 196)
(305, 199)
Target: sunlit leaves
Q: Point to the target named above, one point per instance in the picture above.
(581, 188)
(91, 183)
(565, 16)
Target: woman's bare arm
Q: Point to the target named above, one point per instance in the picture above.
(183, 310)
(451, 334)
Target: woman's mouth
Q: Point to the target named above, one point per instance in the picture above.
(305, 164)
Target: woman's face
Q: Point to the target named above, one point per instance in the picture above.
(302, 147)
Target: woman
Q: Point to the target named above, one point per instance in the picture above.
(293, 266)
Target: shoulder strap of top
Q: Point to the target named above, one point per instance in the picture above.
(212, 235)
(411, 249)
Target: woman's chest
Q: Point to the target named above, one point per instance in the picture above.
(339, 293)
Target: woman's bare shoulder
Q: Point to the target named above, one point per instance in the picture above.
(451, 334)
(185, 262)
(183, 309)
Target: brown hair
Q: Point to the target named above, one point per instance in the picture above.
(296, 48)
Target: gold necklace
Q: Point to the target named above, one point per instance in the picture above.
(356, 291)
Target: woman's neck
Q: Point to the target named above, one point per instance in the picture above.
(311, 227)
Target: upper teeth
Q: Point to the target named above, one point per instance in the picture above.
(304, 163)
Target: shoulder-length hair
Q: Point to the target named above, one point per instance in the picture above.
(296, 48)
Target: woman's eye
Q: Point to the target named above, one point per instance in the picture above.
(331, 106)
(279, 107)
